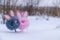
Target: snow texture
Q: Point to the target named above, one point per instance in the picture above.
(40, 29)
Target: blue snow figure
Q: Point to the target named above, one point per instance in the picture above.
(13, 23)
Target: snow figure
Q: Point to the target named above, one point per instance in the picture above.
(24, 22)
(12, 22)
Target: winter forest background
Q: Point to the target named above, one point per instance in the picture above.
(34, 7)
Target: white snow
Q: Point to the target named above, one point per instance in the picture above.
(39, 29)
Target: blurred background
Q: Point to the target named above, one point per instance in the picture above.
(34, 7)
(44, 19)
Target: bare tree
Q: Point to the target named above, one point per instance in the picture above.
(33, 2)
(0, 1)
(57, 5)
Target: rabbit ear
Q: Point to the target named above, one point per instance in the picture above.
(7, 17)
(26, 12)
(11, 13)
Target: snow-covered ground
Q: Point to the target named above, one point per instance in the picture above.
(39, 29)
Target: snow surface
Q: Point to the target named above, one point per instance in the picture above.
(39, 29)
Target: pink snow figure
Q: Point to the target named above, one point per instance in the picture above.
(24, 22)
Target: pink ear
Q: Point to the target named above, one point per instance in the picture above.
(22, 14)
(11, 13)
(7, 17)
(26, 12)
(17, 12)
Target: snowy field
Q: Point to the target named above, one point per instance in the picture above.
(39, 29)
